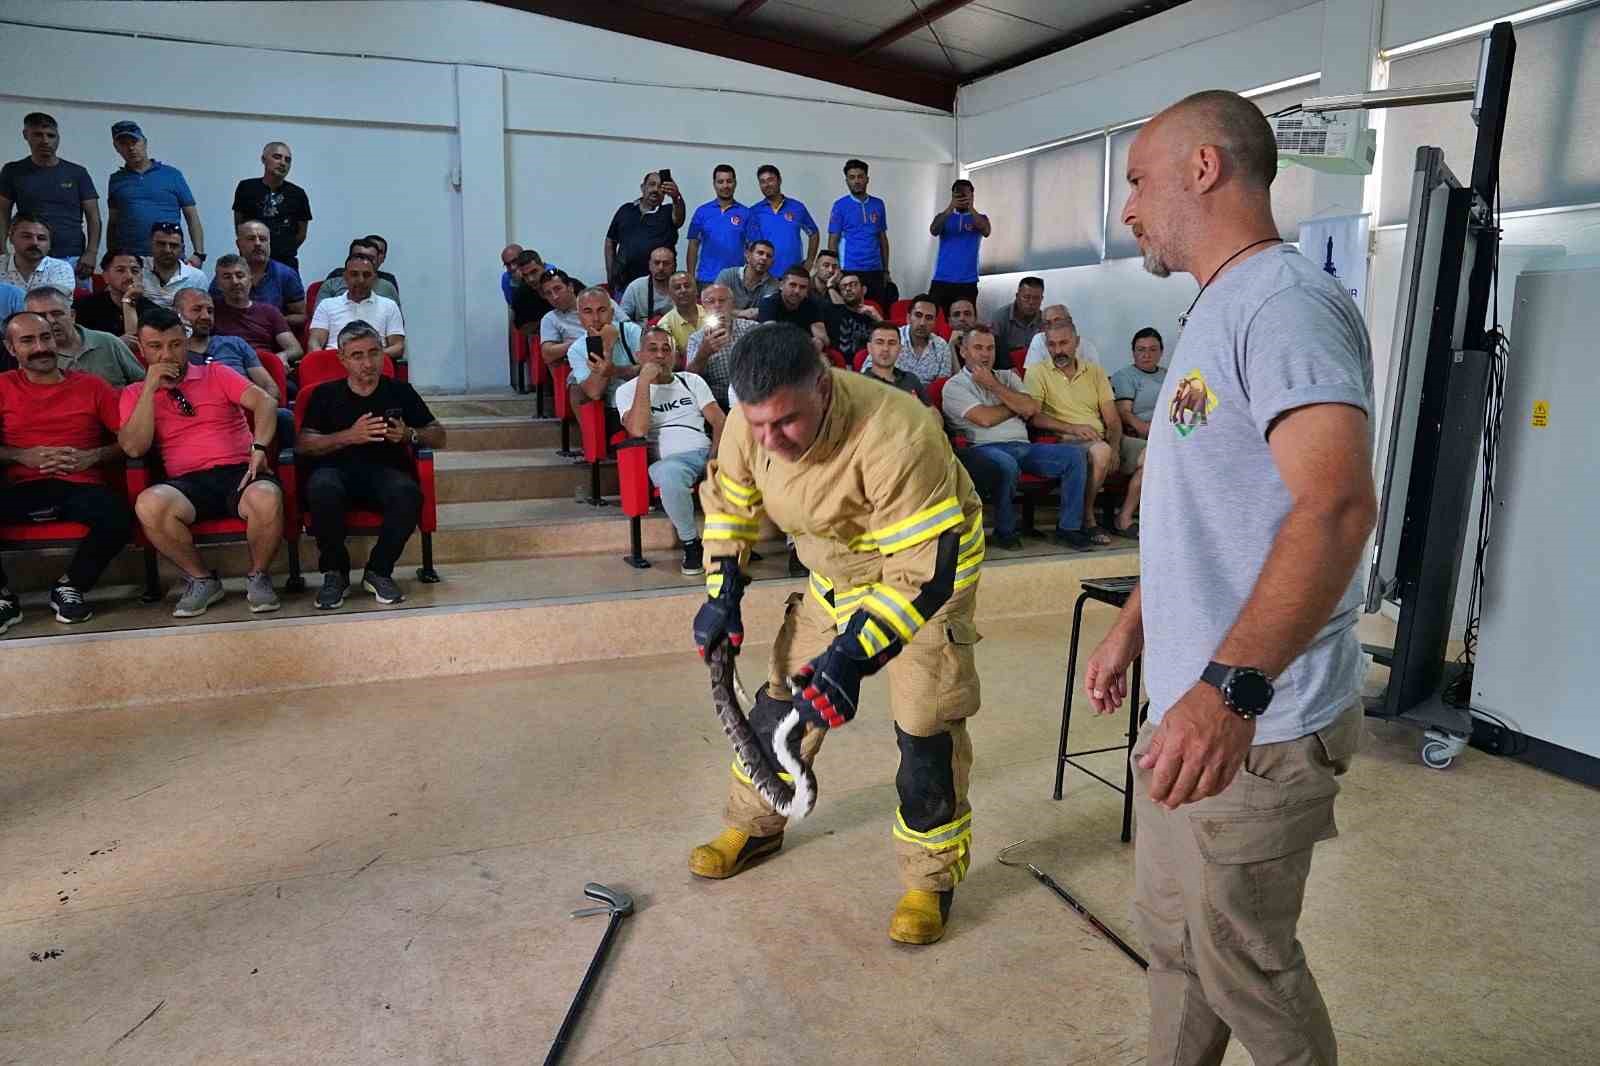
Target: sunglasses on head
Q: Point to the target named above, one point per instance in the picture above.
(165, 227)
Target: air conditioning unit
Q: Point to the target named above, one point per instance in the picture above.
(1334, 142)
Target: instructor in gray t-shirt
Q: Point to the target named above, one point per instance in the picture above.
(1258, 500)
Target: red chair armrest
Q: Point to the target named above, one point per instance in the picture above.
(633, 475)
(592, 424)
(560, 373)
(428, 521)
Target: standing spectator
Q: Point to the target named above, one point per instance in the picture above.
(359, 303)
(672, 410)
(259, 325)
(59, 192)
(1016, 325)
(639, 227)
(781, 221)
(922, 351)
(88, 351)
(650, 296)
(792, 303)
(883, 360)
(29, 262)
(717, 231)
(992, 409)
(686, 314)
(1259, 511)
(961, 316)
(1136, 388)
(850, 321)
(165, 272)
(753, 281)
(1050, 317)
(271, 282)
(57, 428)
(961, 229)
(709, 352)
(213, 456)
(357, 435)
(116, 308)
(145, 191)
(195, 308)
(382, 284)
(1075, 404)
(278, 203)
(862, 221)
(528, 305)
(510, 280)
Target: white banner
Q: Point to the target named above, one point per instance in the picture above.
(1339, 246)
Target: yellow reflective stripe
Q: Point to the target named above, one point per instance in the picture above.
(864, 543)
(738, 772)
(846, 605)
(958, 872)
(940, 838)
(974, 534)
(713, 584)
(731, 527)
(968, 575)
(924, 525)
(872, 638)
(737, 494)
(891, 607)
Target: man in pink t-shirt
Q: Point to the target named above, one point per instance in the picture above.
(214, 459)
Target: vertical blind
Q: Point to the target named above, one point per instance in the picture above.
(1048, 208)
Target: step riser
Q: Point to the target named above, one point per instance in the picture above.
(509, 406)
(520, 483)
(521, 436)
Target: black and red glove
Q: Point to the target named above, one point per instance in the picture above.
(719, 618)
(827, 689)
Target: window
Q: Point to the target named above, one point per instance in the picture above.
(1048, 207)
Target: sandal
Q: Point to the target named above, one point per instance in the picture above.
(1132, 532)
(1096, 535)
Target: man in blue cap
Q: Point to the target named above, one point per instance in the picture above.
(146, 191)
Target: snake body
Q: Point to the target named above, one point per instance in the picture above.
(792, 798)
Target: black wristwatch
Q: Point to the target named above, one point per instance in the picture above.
(1246, 690)
(257, 446)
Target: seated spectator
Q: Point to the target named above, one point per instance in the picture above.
(1039, 348)
(686, 313)
(165, 272)
(825, 272)
(194, 307)
(990, 408)
(922, 351)
(609, 353)
(510, 279)
(1017, 323)
(214, 431)
(710, 349)
(961, 316)
(883, 355)
(29, 264)
(236, 315)
(528, 305)
(276, 201)
(356, 436)
(672, 410)
(1136, 388)
(116, 308)
(650, 296)
(271, 282)
(383, 284)
(1075, 403)
(849, 322)
(792, 303)
(88, 351)
(11, 298)
(359, 302)
(380, 246)
(57, 428)
(561, 325)
(753, 281)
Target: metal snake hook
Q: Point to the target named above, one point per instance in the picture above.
(1066, 897)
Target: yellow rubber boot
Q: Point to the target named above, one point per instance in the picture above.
(730, 852)
(919, 917)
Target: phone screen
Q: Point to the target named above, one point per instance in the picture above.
(597, 346)
(666, 175)
(395, 415)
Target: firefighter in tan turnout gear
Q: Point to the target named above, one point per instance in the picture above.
(892, 530)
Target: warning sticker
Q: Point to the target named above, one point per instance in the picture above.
(1541, 414)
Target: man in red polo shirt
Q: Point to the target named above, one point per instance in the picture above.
(201, 419)
(55, 427)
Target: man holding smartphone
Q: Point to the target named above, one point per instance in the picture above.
(609, 354)
(640, 226)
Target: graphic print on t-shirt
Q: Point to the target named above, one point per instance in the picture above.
(1192, 403)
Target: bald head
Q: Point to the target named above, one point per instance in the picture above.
(509, 253)
(1234, 125)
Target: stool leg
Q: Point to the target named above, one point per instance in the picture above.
(1066, 700)
(1133, 736)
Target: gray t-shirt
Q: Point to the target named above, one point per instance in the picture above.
(636, 300)
(1272, 334)
(745, 298)
(1131, 383)
(962, 394)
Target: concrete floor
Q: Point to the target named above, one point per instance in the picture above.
(383, 874)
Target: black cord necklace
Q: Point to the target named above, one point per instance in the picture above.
(1183, 319)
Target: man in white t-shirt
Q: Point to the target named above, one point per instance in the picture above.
(1039, 350)
(358, 301)
(672, 410)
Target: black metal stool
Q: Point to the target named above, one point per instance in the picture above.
(1115, 592)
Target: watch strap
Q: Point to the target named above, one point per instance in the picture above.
(1215, 674)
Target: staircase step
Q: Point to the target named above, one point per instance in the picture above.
(482, 433)
(504, 403)
(508, 474)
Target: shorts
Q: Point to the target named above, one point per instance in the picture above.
(1132, 450)
(214, 492)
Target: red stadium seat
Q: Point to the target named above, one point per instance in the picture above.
(596, 448)
(311, 303)
(280, 373)
(860, 360)
(539, 370)
(633, 476)
(26, 536)
(836, 357)
(369, 522)
(1019, 359)
(560, 373)
(900, 312)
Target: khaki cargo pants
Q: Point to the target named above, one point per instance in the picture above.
(933, 689)
(1218, 886)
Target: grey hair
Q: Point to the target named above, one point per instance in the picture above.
(47, 292)
(181, 296)
(774, 356)
(232, 259)
(357, 329)
(596, 290)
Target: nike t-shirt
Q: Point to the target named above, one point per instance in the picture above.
(676, 422)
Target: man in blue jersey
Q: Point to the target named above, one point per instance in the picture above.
(717, 230)
(146, 191)
(782, 221)
(960, 229)
(863, 222)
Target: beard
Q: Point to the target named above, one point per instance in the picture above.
(1155, 264)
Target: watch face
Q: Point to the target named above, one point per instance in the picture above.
(1249, 690)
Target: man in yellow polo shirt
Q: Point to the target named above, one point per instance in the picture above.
(686, 314)
(1075, 402)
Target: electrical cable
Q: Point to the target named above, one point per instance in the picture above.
(1292, 109)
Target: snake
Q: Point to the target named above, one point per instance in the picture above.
(793, 798)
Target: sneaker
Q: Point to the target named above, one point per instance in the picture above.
(796, 567)
(331, 596)
(1076, 539)
(382, 587)
(68, 604)
(10, 610)
(198, 594)
(1012, 543)
(258, 591)
(694, 558)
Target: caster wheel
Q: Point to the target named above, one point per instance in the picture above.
(1437, 755)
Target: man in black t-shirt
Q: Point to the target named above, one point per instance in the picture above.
(356, 437)
(528, 305)
(641, 226)
(792, 303)
(116, 309)
(276, 202)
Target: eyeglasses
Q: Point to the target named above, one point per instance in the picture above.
(166, 227)
(185, 408)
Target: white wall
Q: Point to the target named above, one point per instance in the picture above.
(547, 125)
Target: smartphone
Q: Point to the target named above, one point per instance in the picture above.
(712, 322)
(597, 346)
(666, 174)
(395, 415)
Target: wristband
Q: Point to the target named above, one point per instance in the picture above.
(257, 446)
